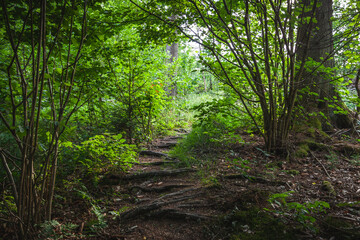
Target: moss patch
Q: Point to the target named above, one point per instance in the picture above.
(302, 151)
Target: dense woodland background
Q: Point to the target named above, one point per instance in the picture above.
(85, 86)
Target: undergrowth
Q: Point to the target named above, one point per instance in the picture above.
(215, 129)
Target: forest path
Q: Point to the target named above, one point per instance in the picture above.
(164, 201)
(158, 199)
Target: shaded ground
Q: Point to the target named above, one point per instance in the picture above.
(160, 199)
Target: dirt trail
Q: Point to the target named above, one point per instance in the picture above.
(163, 201)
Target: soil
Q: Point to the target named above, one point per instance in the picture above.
(159, 198)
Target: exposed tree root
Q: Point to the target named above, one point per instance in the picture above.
(183, 198)
(167, 145)
(176, 214)
(176, 137)
(158, 163)
(159, 189)
(158, 203)
(138, 211)
(346, 148)
(178, 193)
(154, 154)
(160, 173)
(181, 130)
(198, 205)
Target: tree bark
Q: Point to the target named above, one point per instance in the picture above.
(315, 41)
(173, 49)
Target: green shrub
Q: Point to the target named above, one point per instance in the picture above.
(217, 127)
(106, 151)
(100, 153)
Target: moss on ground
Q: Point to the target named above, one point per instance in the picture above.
(302, 151)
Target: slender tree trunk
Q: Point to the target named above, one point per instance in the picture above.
(173, 49)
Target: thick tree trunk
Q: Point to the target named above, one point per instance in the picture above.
(315, 41)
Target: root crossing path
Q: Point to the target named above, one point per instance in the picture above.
(158, 199)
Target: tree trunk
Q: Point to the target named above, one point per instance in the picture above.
(315, 41)
(173, 49)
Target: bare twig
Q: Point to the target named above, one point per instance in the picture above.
(321, 164)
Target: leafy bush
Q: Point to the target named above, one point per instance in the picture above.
(217, 127)
(106, 151)
(54, 230)
(100, 153)
(224, 115)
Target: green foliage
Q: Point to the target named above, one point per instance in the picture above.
(116, 214)
(209, 180)
(348, 204)
(54, 230)
(120, 80)
(180, 112)
(99, 222)
(355, 160)
(292, 172)
(217, 127)
(43, 82)
(7, 204)
(224, 110)
(189, 75)
(136, 84)
(105, 152)
(240, 164)
(333, 158)
(303, 213)
(79, 190)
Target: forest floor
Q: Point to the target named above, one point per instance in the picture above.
(161, 199)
